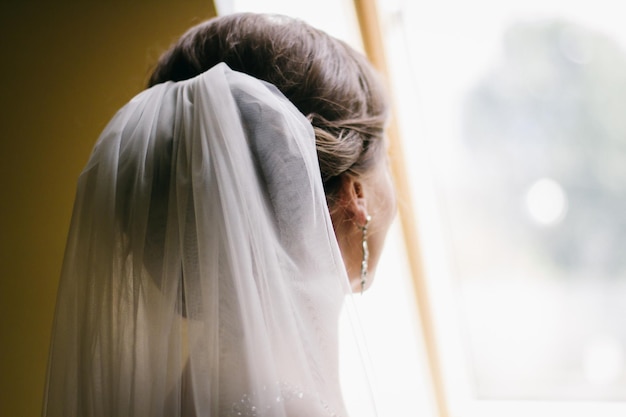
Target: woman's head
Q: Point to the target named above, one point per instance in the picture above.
(330, 83)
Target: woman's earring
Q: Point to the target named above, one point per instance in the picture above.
(366, 253)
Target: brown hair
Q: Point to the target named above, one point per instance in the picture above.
(330, 83)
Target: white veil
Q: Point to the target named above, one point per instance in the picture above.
(202, 276)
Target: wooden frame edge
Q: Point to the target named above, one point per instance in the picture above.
(371, 34)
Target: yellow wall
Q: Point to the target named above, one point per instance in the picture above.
(64, 71)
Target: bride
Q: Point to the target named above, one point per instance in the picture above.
(222, 218)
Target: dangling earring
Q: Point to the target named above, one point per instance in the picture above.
(366, 253)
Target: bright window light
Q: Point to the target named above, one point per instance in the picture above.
(511, 114)
(546, 201)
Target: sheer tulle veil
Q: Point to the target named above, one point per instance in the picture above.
(202, 276)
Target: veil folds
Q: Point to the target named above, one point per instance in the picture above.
(201, 276)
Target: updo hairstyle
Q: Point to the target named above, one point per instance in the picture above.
(334, 86)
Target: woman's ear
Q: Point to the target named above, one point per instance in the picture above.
(351, 200)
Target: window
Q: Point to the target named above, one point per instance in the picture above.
(511, 118)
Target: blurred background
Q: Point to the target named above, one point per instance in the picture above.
(509, 118)
(512, 117)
